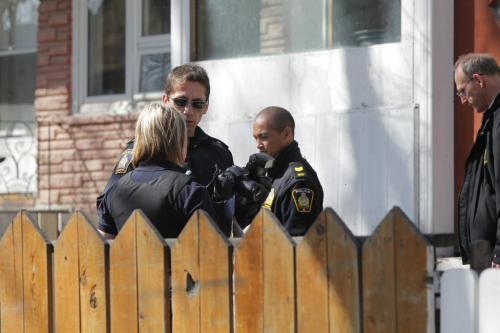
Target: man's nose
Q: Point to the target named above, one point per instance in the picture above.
(463, 99)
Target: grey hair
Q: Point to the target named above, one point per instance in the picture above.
(480, 63)
(160, 134)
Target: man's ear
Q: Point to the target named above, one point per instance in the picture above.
(288, 133)
(164, 98)
(479, 79)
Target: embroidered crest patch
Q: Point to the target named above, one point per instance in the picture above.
(268, 203)
(124, 162)
(303, 199)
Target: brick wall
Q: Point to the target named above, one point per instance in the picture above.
(76, 153)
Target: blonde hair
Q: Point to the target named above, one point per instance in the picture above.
(160, 134)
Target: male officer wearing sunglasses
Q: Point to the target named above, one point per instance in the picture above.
(187, 89)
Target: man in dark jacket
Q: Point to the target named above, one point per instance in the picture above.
(477, 79)
(187, 89)
(296, 196)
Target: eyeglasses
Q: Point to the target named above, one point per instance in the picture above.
(181, 102)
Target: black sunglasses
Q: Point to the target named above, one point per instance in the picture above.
(182, 102)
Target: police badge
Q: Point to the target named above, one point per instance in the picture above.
(303, 199)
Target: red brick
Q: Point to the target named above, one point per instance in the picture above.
(47, 6)
(60, 18)
(46, 35)
(58, 60)
(52, 102)
(58, 181)
(61, 48)
(63, 34)
(43, 59)
(64, 4)
(86, 144)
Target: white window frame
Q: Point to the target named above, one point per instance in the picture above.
(135, 46)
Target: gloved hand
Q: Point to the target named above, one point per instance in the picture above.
(225, 182)
(251, 190)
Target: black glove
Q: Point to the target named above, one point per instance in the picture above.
(225, 181)
(251, 190)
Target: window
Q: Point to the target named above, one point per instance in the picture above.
(18, 31)
(124, 49)
(236, 28)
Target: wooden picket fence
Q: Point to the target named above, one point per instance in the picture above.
(203, 282)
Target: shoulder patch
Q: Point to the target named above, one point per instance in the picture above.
(123, 165)
(303, 199)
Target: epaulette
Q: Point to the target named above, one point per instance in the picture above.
(124, 165)
(298, 169)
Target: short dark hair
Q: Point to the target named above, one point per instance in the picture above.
(481, 63)
(279, 118)
(187, 72)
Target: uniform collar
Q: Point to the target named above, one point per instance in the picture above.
(290, 153)
(199, 137)
(155, 165)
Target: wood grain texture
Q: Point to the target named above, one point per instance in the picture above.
(215, 277)
(186, 279)
(344, 296)
(152, 277)
(93, 264)
(379, 280)
(249, 279)
(37, 273)
(413, 255)
(279, 277)
(66, 279)
(312, 279)
(123, 279)
(11, 270)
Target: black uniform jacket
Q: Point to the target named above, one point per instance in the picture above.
(204, 156)
(479, 200)
(163, 191)
(296, 197)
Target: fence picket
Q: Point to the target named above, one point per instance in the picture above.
(93, 264)
(379, 294)
(152, 278)
(459, 301)
(201, 279)
(312, 278)
(66, 279)
(269, 290)
(489, 301)
(80, 260)
(397, 278)
(123, 279)
(37, 274)
(11, 272)
(249, 279)
(414, 260)
(185, 256)
(215, 277)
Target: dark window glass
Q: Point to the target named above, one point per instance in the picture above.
(155, 17)
(154, 69)
(17, 79)
(227, 28)
(106, 48)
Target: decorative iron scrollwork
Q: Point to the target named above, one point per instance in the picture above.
(18, 163)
